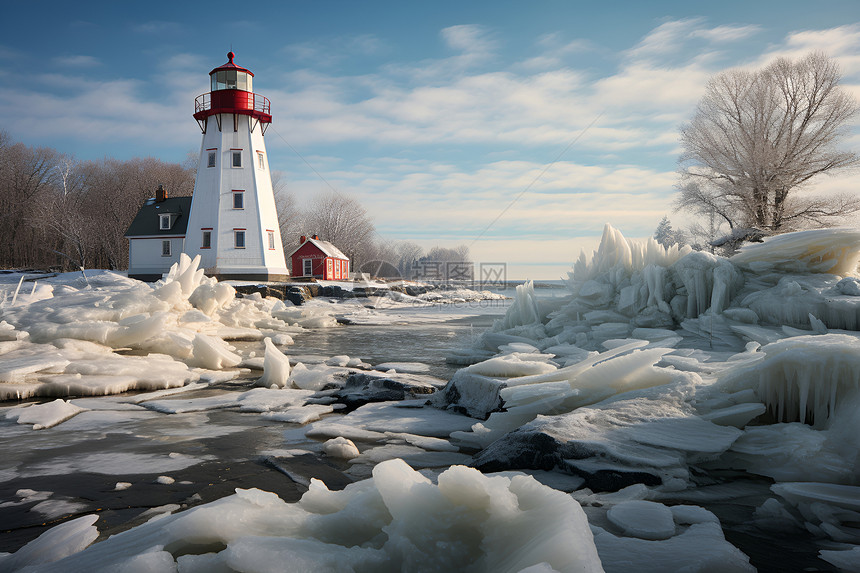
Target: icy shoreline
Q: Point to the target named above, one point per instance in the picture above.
(661, 371)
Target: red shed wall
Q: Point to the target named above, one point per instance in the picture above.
(321, 268)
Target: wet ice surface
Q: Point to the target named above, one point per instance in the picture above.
(677, 417)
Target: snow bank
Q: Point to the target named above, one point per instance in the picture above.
(397, 521)
(72, 340)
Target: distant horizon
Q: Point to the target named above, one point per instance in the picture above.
(518, 131)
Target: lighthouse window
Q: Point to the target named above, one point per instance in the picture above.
(207, 240)
(239, 238)
(261, 161)
(211, 159)
(165, 248)
(238, 199)
(237, 159)
(271, 240)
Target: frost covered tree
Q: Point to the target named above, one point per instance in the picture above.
(666, 235)
(758, 137)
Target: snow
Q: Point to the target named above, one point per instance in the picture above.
(662, 371)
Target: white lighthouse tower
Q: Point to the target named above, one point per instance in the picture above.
(233, 224)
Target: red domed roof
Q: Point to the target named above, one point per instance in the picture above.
(231, 66)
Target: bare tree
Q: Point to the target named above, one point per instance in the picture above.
(27, 174)
(63, 214)
(757, 137)
(345, 223)
(408, 254)
(289, 219)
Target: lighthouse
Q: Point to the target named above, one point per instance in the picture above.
(233, 224)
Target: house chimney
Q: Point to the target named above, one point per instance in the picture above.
(302, 240)
(160, 193)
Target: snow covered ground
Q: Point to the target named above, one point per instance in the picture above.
(675, 412)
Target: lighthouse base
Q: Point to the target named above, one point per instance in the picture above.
(257, 275)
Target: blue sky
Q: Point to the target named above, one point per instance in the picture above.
(435, 115)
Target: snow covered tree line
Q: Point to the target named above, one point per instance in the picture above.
(758, 138)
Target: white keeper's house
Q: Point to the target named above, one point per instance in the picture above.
(230, 220)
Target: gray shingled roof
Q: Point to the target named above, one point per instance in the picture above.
(145, 223)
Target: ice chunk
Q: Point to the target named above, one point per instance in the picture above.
(340, 447)
(643, 519)
(268, 400)
(213, 353)
(833, 251)
(276, 367)
(58, 542)
(45, 415)
(300, 415)
(510, 366)
(803, 378)
(398, 520)
(846, 560)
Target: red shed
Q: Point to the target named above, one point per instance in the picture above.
(320, 259)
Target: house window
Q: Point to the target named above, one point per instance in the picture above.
(237, 158)
(307, 267)
(164, 221)
(271, 240)
(211, 159)
(238, 199)
(261, 161)
(165, 248)
(328, 269)
(239, 238)
(207, 240)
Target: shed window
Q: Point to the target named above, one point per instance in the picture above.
(164, 221)
(165, 248)
(239, 238)
(307, 267)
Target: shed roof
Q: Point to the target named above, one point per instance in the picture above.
(145, 223)
(327, 248)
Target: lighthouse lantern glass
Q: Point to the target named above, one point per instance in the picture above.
(231, 80)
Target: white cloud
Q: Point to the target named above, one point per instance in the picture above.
(666, 38)
(79, 61)
(722, 34)
(468, 39)
(841, 43)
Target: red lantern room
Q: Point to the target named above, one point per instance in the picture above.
(232, 93)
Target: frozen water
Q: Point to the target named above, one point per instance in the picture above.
(643, 519)
(398, 520)
(45, 415)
